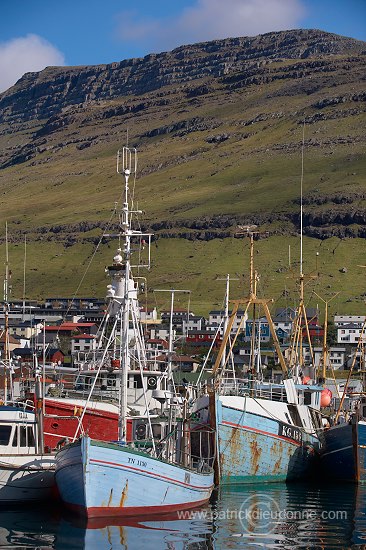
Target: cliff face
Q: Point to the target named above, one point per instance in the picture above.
(45, 94)
(211, 105)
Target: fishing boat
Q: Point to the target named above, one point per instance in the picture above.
(266, 432)
(159, 473)
(343, 455)
(27, 473)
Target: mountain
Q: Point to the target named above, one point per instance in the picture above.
(221, 128)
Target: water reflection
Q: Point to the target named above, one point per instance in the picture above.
(267, 516)
(292, 516)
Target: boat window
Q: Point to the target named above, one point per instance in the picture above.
(5, 432)
(307, 398)
(157, 431)
(26, 436)
(15, 437)
(31, 442)
(295, 415)
(138, 381)
(23, 436)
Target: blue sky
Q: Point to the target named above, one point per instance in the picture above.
(38, 33)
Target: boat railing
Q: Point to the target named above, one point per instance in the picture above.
(253, 388)
(27, 405)
(99, 394)
(198, 455)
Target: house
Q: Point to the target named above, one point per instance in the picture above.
(350, 333)
(27, 355)
(24, 329)
(193, 323)
(216, 319)
(283, 335)
(155, 347)
(178, 316)
(69, 329)
(284, 318)
(336, 357)
(83, 343)
(203, 338)
(343, 320)
(316, 332)
(161, 333)
(261, 327)
(148, 314)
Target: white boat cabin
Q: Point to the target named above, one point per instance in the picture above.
(18, 429)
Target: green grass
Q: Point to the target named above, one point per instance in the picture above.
(201, 267)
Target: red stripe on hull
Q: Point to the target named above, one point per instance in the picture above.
(134, 511)
(150, 474)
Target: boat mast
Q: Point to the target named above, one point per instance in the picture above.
(253, 300)
(6, 317)
(325, 334)
(122, 272)
(301, 320)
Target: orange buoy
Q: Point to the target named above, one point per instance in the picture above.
(325, 397)
(306, 379)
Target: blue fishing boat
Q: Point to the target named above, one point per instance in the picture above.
(344, 452)
(343, 456)
(263, 440)
(106, 479)
(265, 432)
(171, 468)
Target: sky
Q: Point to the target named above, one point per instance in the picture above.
(35, 34)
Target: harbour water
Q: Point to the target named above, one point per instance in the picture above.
(286, 516)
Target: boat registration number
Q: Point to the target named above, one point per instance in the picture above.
(290, 432)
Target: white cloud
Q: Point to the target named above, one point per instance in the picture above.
(211, 20)
(26, 54)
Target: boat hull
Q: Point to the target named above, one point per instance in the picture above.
(62, 419)
(257, 448)
(27, 478)
(104, 479)
(344, 452)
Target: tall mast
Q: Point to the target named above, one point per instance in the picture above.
(122, 292)
(122, 274)
(6, 316)
(250, 300)
(325, 344)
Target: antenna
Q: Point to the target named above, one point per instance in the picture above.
(301, 201)
(128, 158)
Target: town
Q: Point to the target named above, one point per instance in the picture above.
(63, 331)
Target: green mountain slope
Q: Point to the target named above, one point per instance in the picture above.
(218, 127)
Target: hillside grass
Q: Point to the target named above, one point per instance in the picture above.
(201, 267)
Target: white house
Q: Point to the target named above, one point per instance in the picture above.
(215, 319)
(83, 343)
(336, 357)
(342, 320)
(350, 334)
